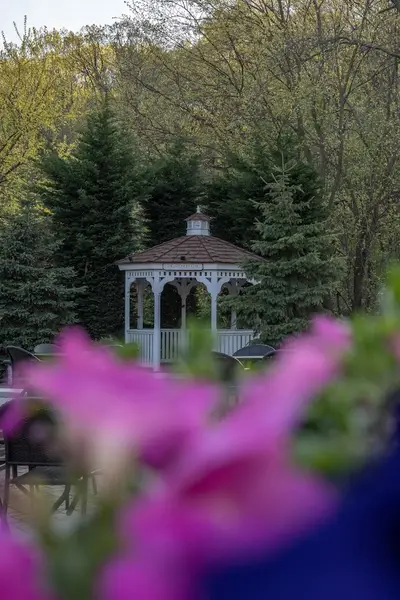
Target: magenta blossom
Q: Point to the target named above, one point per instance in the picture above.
(235, 508)
(111, 408)
(232, 491)
(20, 570)
(330, 333)
(274, 403)
(144, 578)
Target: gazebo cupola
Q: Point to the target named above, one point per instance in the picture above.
(198, 224)
(184, 262)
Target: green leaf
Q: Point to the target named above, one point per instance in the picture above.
(76, 559)
(197, 359)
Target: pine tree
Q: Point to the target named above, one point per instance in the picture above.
(174, 189)
(299, 269)
(232, 194)
(94, 197)
(37, 298)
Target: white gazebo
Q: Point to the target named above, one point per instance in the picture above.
(187, 261)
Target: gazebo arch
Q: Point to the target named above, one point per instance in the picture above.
(197, 257)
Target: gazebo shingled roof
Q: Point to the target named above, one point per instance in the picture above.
(192, 249)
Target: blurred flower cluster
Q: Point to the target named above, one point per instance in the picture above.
(295, 487)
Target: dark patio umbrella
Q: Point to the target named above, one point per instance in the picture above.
(254, 351)
(277, 352)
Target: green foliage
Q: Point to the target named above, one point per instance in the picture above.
(94, 196)
(174, 189)
(75, 559)
(298, 270)
(232, 195)
(37, 298)
(196, 359)
(349, 422)
(174, 185)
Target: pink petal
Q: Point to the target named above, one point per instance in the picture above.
(143, 579)
(331, 332)
(124, 405)
(20, 570)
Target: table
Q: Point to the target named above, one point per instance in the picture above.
(7, 394)
(8, 364)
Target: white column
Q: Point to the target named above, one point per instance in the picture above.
(214, 323)
(140, 291)
(233, 291)
(157, 330)
(183, 311)
(128, 283)
(215, 288)
(184, 286)
(157, 286)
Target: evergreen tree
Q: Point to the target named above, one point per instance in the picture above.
(232, 195)
(37, 298)
(94, 197)
(299, 269)
(174, 189)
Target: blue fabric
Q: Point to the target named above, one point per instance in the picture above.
(353, 556)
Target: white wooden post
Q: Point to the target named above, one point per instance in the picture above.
(128, 283)
(183, 311)
(157, 287)
(233, 291)
(214, 291)
(140, 291)
(157, 330)
(184, 286)
(214, 316)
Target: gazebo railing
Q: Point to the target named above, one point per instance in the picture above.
(228, 342)
(144, 339)
(171, 343)
(231, 340)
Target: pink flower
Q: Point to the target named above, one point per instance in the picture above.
(231, 499)
(12, 415)
(111, 408)
(20, 571)
(144, 578)
(234, 500)
(331, 333)
(223, 510)
(232, 490)
(274, 402)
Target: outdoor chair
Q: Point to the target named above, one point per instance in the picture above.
(17, 357)
(33, 450)
(228, 369)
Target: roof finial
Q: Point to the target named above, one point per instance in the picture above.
(198, 209)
